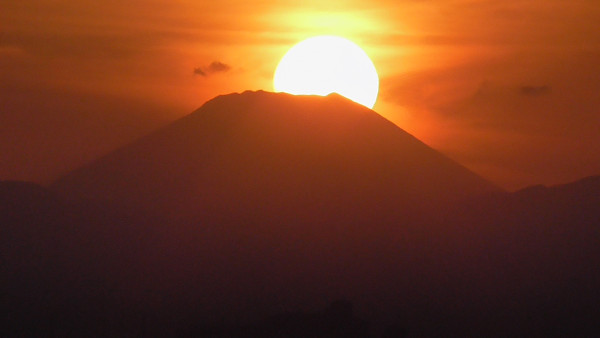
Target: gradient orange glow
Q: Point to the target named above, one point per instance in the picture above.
(505, 88)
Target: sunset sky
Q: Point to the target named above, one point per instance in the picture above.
(509, 89)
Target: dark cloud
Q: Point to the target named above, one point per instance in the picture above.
(214, 67)
(218, 67)
(199, 71)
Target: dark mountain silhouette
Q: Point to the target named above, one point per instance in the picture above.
(260, 154)
(253, 183)
(211, 221)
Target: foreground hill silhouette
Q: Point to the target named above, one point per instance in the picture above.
(505, 264)
(261, 154)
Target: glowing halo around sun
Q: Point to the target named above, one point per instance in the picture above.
(323, 65)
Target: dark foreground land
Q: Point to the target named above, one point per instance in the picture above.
(263, 215)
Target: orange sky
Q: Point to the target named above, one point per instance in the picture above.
(509, 89)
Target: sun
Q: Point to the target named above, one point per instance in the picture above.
(323, 65)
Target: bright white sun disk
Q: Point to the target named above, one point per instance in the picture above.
(328, 64)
